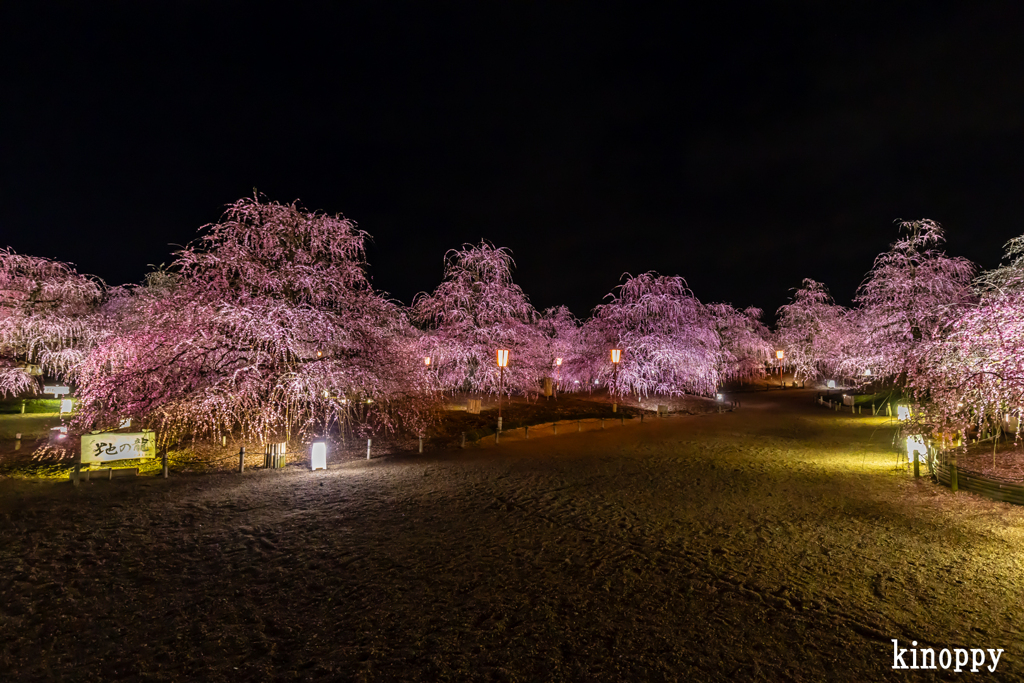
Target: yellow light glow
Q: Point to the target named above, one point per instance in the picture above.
(616, 355)
(780, 354)
(319, 353)
(558, 361)
(502, 358)
(426, 360)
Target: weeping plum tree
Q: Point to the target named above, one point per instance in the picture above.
(561, 340)
(972, 375)
(668, 340)
(911, 294)
(266, 325)
(815, 332)
(744, 345)
(48, 318)
(475, 311)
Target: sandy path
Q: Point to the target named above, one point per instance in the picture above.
(775, 543)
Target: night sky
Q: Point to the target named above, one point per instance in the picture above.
(743, 149)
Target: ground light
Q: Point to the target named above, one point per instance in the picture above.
(318, 456)
(902, 413)
(915, 450)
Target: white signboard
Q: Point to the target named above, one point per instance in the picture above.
(107, 446)
(55, 390)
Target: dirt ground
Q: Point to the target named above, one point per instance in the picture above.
(774, 543)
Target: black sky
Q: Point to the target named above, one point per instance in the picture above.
(744, 147)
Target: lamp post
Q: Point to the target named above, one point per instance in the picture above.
(780, 355)
(616, 357)
(426, 361)
(558, 374)
(502, 363)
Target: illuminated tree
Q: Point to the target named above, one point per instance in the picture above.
(48, 318)
(668, 339)
(475, 311)
(911, 294)
(972, 375)
(560, 339)
(744, 342)
(266, 324)
(815, 332)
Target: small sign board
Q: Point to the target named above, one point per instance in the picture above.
(56, 390)
(107, 446)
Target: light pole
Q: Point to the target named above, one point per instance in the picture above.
(558, 374)
(780, 355)
(502, 362)
(616, 357)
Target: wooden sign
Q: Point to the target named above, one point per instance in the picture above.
(107, 446)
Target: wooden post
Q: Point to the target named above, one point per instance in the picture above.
(164, 458)
(78, 472)
(421, 444)
(463, 445)
(241, 459)
(873, 411)
(615, 407)
(23, 412)
(579, 427)
(554, 425)
(954, 483)
(369, 442)
(602, 423)
(888, 410)
(622, 419)
(526, 430)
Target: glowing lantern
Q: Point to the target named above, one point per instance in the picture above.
(502, 363)
(780, 354)
(318, 457)
(616, 354)
(719, 397)
(831, 384)
(319, 353)
(426, 361)
(558, 362)
(66, 405)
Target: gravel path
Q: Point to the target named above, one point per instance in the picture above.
(777, 543)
